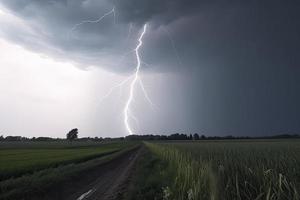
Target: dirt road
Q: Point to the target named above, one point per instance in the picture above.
(108, 182)
(111, 184)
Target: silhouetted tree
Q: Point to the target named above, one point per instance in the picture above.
(196, 136)
(72, 135)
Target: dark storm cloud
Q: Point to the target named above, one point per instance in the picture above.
(48, 25)
(199, 32)
(104, 44)
(203, 32)
(243, 55)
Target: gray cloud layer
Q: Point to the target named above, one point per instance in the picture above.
(103, 44)
(244, 56)
(204, 32)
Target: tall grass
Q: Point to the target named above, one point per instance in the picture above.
(232, 170)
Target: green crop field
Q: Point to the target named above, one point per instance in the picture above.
(239, 169)
(29, 169)
(17, 161)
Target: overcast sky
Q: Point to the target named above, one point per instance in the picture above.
(211, 67)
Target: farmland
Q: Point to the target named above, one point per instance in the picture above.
(163, 170)
(32, 170)
(17, 161)
(249, 169)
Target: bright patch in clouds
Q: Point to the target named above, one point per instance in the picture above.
(55, 96)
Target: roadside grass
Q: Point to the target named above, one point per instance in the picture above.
(37, 185)
(267, 170)
(151, 178)
(15, 162)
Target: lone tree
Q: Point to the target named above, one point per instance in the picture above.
(72, 135)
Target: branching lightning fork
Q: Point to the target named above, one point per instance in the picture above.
(112, 11)
(135, 77)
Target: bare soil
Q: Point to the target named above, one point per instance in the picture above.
(107, 182)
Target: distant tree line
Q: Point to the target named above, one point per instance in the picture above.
(73, 136)
(83, 139)
(20, 138)
(196, 136)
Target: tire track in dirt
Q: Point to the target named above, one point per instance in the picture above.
(111, 180)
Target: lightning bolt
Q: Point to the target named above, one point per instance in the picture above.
(133, 82)
(119, 85)
(135, 77)
(112, 11)
(146, 94)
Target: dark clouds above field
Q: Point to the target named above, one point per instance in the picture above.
(205, 32)
(241, 58)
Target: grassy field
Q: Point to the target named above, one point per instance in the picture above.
(241, 170)
(184, 170)
(30, 170)
(20, 160)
